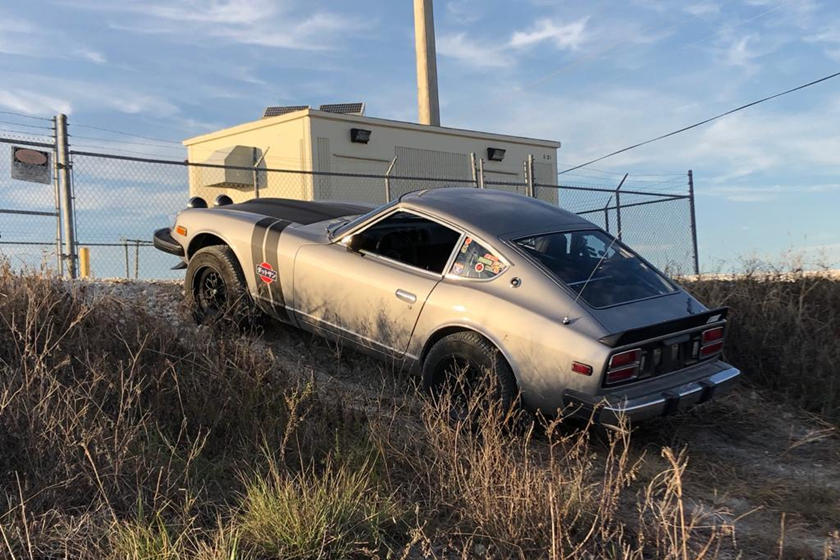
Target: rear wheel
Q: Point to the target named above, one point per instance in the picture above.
(215, 287)
(462, 363)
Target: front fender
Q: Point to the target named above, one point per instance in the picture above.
(235, 232)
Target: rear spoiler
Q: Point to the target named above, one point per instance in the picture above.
(668, 327)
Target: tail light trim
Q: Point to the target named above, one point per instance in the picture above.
(623, 366)
(711, 342)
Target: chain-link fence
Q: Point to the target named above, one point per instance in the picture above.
(658, 224)
(29, 224)
(118, 201)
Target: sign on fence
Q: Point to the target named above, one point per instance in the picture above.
(31, 165)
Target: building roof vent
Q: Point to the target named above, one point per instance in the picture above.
(344, 108)
(282, 110)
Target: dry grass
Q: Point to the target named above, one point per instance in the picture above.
(784, 332)
(126, 438)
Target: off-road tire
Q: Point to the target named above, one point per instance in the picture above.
(476, 351)
(217, 265)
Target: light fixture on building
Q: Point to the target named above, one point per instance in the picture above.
(495, 154)
(359, 135)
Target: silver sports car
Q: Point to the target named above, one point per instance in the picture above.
(561, 312)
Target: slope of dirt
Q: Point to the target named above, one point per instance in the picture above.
(773, 470)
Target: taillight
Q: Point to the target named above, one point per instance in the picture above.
(712, 334)
(711, 342)
(624, 366)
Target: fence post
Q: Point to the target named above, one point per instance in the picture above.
(388, 179)
(607, 215)
(618, 205)
(125, 247)
(480, 173)
(530, 175)
(136, 258)
(66, 195)
(57, 199)
(473, 165)
(693, 222)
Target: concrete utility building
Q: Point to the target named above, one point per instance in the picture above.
(341, 139)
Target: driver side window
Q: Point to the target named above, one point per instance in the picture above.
(409, 239)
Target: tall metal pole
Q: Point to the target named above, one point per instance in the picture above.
(474, 169)
(56, 195)
(693, 222)
(66, 195)
(618, 205)
(428, 107)
(480, 173)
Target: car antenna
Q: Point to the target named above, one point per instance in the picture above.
(591, 274)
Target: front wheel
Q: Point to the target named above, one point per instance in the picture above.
(464, 363)
(215, 287)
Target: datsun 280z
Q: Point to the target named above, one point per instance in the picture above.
(563, 314)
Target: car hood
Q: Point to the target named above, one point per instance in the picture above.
(646, 312)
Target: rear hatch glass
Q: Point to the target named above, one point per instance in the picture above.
(596, 266)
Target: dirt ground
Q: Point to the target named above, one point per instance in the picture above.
(772, 471)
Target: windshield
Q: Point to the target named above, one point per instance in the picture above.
(596, 267)
(347, 226)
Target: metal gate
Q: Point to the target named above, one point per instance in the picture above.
(30, 222)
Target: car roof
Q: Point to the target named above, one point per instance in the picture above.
(494, 213)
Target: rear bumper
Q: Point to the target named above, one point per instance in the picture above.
(607, 409)
(163, 241)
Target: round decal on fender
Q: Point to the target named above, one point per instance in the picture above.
(266, 273)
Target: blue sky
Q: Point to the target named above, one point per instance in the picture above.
(595, 75)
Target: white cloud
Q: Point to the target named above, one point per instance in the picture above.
(702, 9)
(739, 53)
(93, 56)
(82, 95)
(265, 23)
(464, 11)
(472, 53)
(33, 103)
(22, 37)
(564, 36)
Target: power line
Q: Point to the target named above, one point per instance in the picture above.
(27, 133)
(27, 125)
(706, 121)
(24, 115)
(102, 139)
(112, 150)
(126, 133)
(621, 174)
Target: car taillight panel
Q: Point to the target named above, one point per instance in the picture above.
(711, 342)
(712, 335)
(624, 366)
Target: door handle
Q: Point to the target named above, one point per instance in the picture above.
(405, 296)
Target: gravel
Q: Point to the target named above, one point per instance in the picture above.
(160, 298)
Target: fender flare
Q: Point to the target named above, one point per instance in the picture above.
(461, 326)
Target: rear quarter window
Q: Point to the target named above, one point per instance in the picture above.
(476, 261)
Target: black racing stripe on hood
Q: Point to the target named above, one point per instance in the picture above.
(299, 211)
